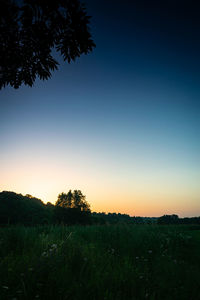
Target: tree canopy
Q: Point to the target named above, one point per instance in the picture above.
(31, 29)
(71, 208)
(16, 208)
(73, 199)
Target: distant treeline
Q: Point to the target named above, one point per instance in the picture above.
(174, 219)
(70, 209)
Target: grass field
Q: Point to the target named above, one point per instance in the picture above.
(100, 262)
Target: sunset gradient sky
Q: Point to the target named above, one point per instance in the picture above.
(121, 124)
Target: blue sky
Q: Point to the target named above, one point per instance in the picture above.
(122, 123)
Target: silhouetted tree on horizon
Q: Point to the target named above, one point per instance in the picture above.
(18, 209)
(31, 29)
(74, 200)
(70, 209)
(168, 219)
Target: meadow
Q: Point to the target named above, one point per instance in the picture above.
(116, 262)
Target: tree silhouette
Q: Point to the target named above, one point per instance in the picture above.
(75, 200)
(168, 219)
(19, 209)
(65, 200)
(31, 29)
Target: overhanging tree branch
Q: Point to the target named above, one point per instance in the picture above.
(29, 32)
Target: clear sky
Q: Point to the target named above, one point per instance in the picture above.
(121, 124)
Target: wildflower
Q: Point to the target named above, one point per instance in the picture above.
(150, 251)
(137, 257)
(54, 246)
(5, 287)
(141, 277)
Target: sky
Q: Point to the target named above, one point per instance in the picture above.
(122, 123)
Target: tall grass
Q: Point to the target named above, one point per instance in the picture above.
(100, 262)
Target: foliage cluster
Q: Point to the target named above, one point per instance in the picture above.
(31, 29)
(70, 208)
(28, 210)
(174, 219)
(16, 209)
(73, 199)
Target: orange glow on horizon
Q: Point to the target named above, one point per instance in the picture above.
(138, 194)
